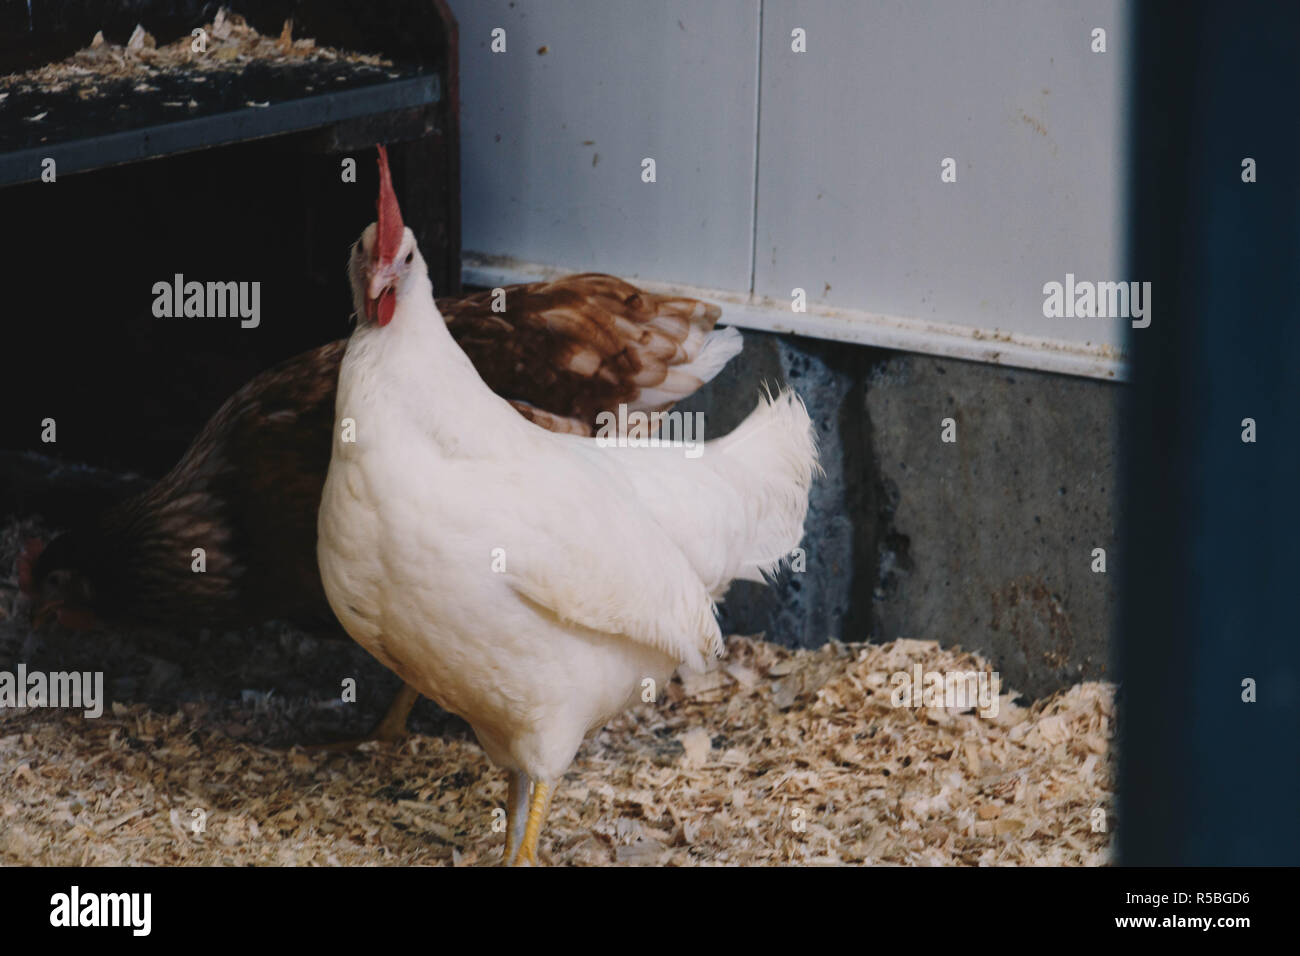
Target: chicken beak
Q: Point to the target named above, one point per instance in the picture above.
(381, 277)
(381, 298)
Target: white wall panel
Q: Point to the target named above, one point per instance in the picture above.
(847, 201)
(852, 134)
(553, 143)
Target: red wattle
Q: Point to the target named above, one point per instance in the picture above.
(387, 304)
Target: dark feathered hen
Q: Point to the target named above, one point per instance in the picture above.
(245, 491)
(248, 488)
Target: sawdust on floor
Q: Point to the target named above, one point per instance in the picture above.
(779, 758)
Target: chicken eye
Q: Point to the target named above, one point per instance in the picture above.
(409, 256)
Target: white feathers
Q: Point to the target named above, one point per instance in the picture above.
(737, 509)
(720, 347)
(717, 349)
(531, 581)
(776, 450)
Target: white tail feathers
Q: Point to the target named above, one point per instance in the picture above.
(738, 509)
(776, 447)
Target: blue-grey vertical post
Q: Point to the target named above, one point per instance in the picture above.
(1211, 522)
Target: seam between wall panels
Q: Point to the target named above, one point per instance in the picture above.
(758, 118)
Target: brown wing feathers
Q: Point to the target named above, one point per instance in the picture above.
(582, 344)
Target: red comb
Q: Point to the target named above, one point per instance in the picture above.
(390, 214)
(27, 565)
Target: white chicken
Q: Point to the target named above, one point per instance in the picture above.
(525, 580)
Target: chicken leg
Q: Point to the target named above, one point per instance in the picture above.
(389, 730)
(539, 805)
(393, 726)
(517, 796)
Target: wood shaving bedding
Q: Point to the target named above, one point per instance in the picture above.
(779, 757)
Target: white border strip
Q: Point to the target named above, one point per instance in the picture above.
(747, 311)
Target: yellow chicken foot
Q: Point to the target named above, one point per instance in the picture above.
(526, 855)
(516, 811)
(389, 730)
